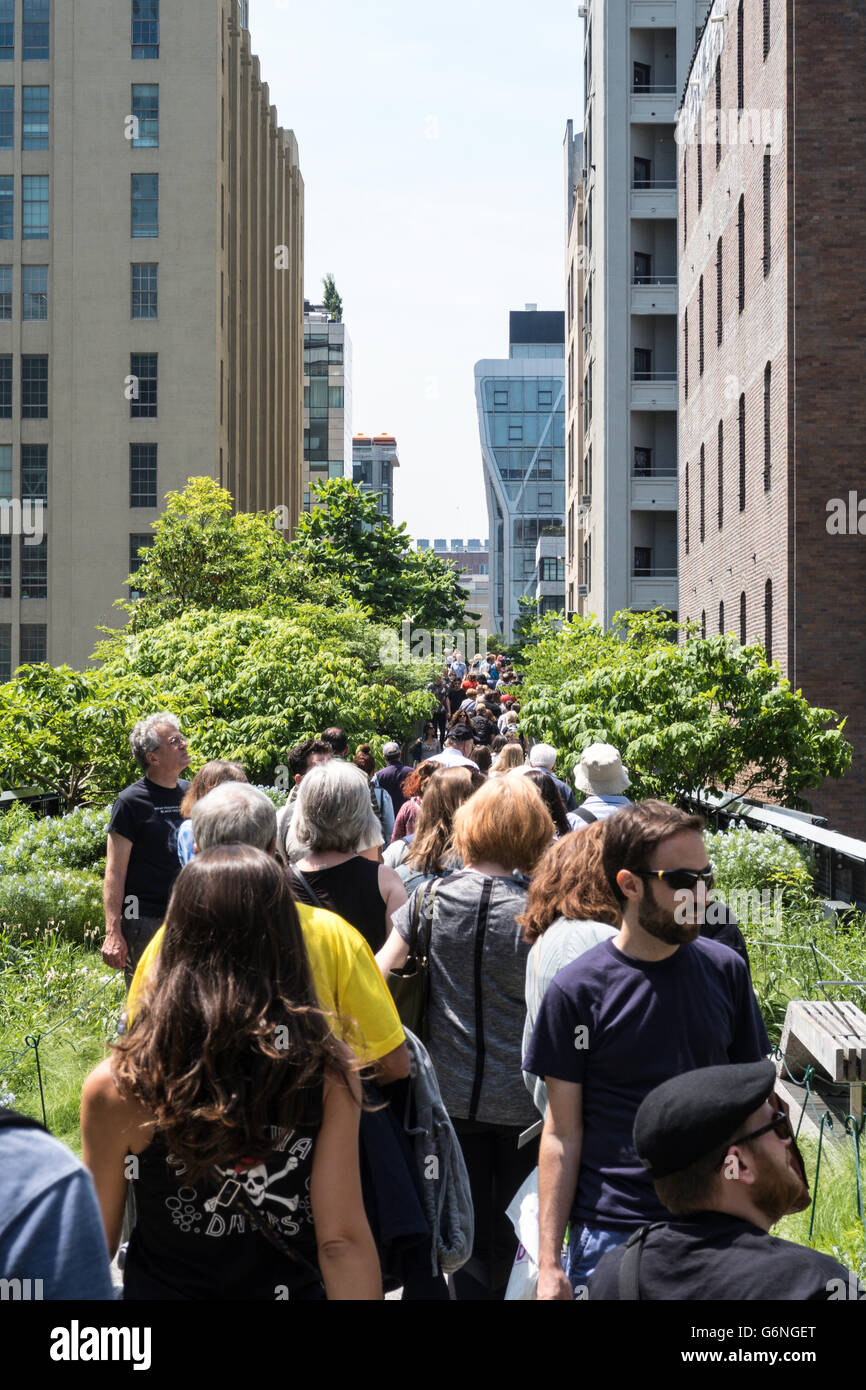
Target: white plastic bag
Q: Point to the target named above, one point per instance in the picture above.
(522, 1212)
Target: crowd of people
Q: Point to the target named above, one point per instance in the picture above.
(250, 1135)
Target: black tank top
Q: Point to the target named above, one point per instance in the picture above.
(352, 891)
(184, 1247)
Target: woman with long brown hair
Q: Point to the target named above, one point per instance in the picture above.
(232, 1107)
(430, 852)
(570, 909)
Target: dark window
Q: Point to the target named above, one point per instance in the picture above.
(34, 472)
(741, 69)
(686, 518)
(643, 560)
(702, 484)
(142, 475)
(5, 651)
(721, 475)
(685, 195)
(5, 293)
(145, 205)
(33, 643)
(7, 118)
(643, 172)
(766, 27)
(767, 210)
(643, 463)
(704, 624)
(7, 207)
(768, 384)
(143, 366)
(742, 453)
(7, 30)
(145, 108)
(34, 118)
(643, 363)
(686, 353)
(145, 28)
(34, 568)
(5, 566)
(35, 30)
(721, 620)
(743, 618)
(720, 304)
(6, 386)
(741, 247)
(768, 619)
(34, 388)
(642, 76)
(138, 541)
(718, 112)
(700, 175)
(701, 326)
(34, 292)
(145, 288)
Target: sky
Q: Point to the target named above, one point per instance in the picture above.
(431, 148)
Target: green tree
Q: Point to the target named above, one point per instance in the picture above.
(704, 713)
(345, 534)
(205, 555)
(331, 298)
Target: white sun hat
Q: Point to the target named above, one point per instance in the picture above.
(600, 771)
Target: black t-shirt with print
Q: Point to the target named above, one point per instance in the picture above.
(149, 816)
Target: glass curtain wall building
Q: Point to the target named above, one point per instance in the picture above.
(521, 419)
(327, 399)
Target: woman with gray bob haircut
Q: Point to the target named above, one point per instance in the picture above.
(234, 813)
(334, 820)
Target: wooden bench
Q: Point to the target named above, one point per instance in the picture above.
(830, 1035)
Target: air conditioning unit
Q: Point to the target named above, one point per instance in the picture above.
(581, 11)
(586, 499)
(583, 591)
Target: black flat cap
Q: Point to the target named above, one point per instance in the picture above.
(690, 1116)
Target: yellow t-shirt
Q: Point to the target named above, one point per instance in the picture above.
(348, 982)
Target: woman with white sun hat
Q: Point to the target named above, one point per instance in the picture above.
(601, 775)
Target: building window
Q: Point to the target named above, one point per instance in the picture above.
(145, 289)
(551, 570)
(6, 471)
(766, 28)
(720, 327)
(7, 30)
(768, 619)
(7, 118)
(33, 643)
(336, 398)
(145, 108)
(5, 293)
(686, 352)
(701, 326)
(34, 118)
(743, 618)
(718, 112)
(142, 475)
(145, 205)
(35, 30)
(700, 175)
(704, 624)
(138, 541)
(545, 465)
(742, 453)
(34, 292)
(545, 399)
(35, 211)
(34, 472)
(721, 620)
(767, 210)
(721, 474)
(34, 388)
(6, 386)
(7, 208)
(643, 561)
(686, 516)
(701, 494)
(500, 400)
(515, 433)
(5, 650)
(545, 501)
(741, 67)
(768, 446)
(34, 568)
(145, 28)
(741, 248)
(143, 366)
(685, 195)
(5, 566)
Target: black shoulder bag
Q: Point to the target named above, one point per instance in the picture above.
(410, 985)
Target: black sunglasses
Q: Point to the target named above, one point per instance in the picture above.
(679, 878)
(780, 1125)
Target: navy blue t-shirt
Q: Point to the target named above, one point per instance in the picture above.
(620, 1027)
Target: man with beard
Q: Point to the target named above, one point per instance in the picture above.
(719, 1148)
(650, 1003)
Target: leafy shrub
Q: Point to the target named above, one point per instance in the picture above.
(75, 841)
(758, 859)
(68, 901)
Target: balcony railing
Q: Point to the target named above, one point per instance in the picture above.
(663, 90)
(654, 279)
(654, 375)
(651, 184)
(655, 470)
(654, 572)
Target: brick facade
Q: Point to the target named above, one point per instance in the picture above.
(804, 314)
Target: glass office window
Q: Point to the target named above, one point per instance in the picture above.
(145, 108)
(35, 218)
(36, 29)
(145, 290)
(7, 118)
(34, 388)
(6, 386)
(6, 471)
(143, 366)
(142, 475)
(7, 207)
(145, 205)
(138, 541)
(34, 643)
(34, 118)
(34, 568)
(5, 566)
(145, 28)
(5, 651)
(7, 30)
(34, 292)
(5, 292)
(34, 472)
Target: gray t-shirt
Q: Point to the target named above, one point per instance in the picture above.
(453, 1042)
(564, 940)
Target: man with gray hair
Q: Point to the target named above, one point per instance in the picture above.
(141, 859)
(347, 979)
(543, 756)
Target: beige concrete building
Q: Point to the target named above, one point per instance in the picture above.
(151, 303)
(576, 479)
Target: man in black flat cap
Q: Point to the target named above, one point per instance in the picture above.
(720, 1150)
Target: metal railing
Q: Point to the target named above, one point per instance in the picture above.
(654, 279)
(658, 90)
(653, 572)
(653, 184)
(657, 470)
(655, 375)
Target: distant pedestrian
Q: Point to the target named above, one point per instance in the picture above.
(312, 752)
(544, 756)
(392, 776)
(426, 746)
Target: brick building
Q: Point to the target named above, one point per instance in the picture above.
(772, 325)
